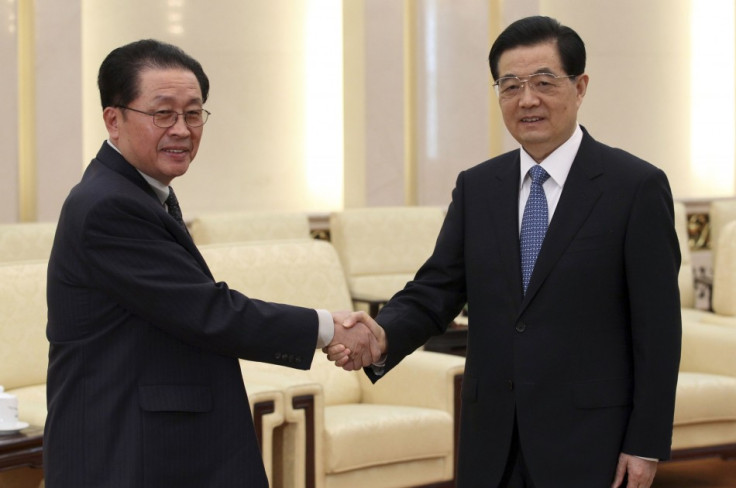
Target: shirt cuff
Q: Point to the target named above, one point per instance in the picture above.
(379, 367)
(646, 458)
(326, 328)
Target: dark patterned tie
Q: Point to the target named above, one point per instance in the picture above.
(172, 205)
(533, 224)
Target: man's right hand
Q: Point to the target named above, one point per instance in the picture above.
(359, 341)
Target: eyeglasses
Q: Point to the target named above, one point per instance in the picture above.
(509, 87)
(167, 118)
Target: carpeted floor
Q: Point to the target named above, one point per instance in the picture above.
(700, 473)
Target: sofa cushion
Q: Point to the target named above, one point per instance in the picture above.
(222, 227)
(31, 404)
(724, 272)
(380, 240)
(23, 346)
(26, 241)
(387, 433)
(716, 319)
(704, 398)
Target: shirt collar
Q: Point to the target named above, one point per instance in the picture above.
(557, 164)
(161, 190)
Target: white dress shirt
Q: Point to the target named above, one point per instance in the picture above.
(557, 165)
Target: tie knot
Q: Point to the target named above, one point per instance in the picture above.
(172, 206)
(171, 200)
(538, 174)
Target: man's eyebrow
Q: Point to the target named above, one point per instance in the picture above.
(539, 71)
(167, 98)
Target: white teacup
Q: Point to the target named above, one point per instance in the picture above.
(8, 410)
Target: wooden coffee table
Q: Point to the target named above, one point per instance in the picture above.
(22, 449)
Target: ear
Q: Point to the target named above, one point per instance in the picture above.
(112, 117)
(581, 85)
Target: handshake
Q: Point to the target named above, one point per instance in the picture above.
(358, 341)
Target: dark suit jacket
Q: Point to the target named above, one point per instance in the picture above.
(144, 385)
(587, 361)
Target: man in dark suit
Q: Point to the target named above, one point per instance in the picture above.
(144, 385)
(570, 377)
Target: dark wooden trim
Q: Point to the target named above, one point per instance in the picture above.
(374, 303)
(22, 449)
(725, 451)
(306, 403)
(259, 410)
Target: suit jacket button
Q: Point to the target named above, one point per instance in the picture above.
(511, 385)
(520, 327)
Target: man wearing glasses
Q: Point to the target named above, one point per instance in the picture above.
(566, 253)
(144, 385)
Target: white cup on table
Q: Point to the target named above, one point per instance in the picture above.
(8, 410)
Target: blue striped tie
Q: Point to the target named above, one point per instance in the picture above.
(533, 224)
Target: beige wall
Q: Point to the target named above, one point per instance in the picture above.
(418, 107)
(639, 64)
(252, 151)
(9, 206)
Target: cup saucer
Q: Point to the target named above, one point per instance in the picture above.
(13, 429)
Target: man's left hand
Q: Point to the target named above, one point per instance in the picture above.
(640, 472)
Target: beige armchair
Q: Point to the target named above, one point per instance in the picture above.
(705, 404)
(26, 241)
(724, 282)
(267, 408)
(225, 227)
(721, 212)
(24, 354)
(23, 346)
(343, 430)
(705, 408)
(381, 248)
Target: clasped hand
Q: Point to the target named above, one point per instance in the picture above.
(358, 341)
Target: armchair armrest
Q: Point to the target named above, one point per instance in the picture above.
(300, 459)
(267, 409)
(708, 348)
(423, 379)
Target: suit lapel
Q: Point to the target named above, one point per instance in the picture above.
(576, 202)
(117, 163)
(502, 200)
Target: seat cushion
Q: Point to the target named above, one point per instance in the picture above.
(385, 240)
(715, 319)
(362, 435)
(222, 227)
(694, 315)
(23, 346)
(26, 241)
(705, 411)
(31, 404)
(703, 398)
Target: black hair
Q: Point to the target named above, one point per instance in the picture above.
(119, 75)
(530, 31)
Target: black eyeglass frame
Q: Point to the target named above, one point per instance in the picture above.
(205, 114)
(524, 81)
